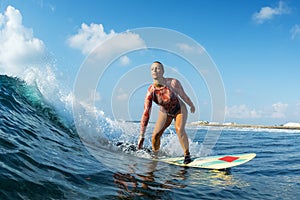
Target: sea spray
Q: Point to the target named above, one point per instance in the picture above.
(99, 131)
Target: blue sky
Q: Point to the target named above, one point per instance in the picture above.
(255, 46)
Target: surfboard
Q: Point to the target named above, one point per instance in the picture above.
(212, 162)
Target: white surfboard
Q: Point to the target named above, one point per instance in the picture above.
(212, 162)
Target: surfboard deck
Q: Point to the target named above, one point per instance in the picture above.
(212, 162)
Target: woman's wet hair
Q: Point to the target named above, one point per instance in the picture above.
(158, 62)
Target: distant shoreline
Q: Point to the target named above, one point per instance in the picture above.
(246, 126)
(233, 125)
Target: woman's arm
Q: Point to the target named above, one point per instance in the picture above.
(180, 91)
(145, 116)
(147, 111)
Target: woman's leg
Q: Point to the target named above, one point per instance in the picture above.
(163, 121)
(180, 121)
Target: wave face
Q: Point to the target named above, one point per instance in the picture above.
(40, 154)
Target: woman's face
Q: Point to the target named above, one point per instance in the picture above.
(157, 71)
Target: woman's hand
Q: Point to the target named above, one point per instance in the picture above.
(141, 142)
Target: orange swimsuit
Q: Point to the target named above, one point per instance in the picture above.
(165, 96)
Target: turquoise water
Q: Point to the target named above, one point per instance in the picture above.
(43, 157)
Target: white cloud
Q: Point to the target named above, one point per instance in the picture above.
(295, 31)
(19, 48)
(124, 61)
(89, 37)
(268, 13)
(279, 110)
(189, 49)
(296, 111)
(241, 112)
(122, 95)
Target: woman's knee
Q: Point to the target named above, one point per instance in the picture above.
(156, 136)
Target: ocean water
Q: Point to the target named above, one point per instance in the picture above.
(42, 156)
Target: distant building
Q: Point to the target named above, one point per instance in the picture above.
(200, 123)
(229, 123)
(292, 124)
(214, 123)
